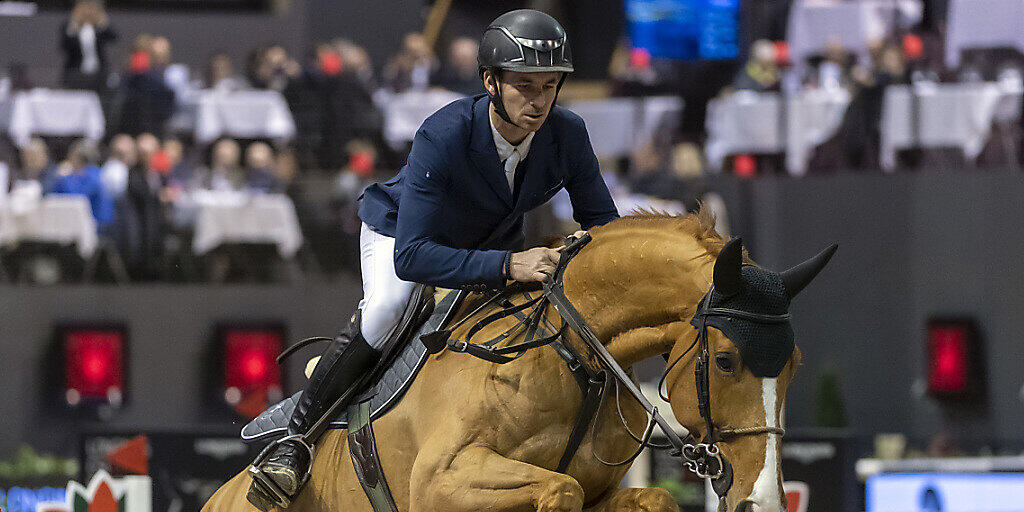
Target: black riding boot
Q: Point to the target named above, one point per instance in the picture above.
(287, 465)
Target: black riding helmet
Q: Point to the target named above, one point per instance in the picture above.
(527, 41)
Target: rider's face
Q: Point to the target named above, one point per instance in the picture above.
(527, 96)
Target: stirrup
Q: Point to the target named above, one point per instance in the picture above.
(266, 484)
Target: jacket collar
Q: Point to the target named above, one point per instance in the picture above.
(485, 154)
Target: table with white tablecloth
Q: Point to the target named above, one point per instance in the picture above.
(930, 115)
(619, 126)
(750, 122)
(405, 112)
(52, 112)
(234, 218)
(59, 219)
(250, 114)
(980, 24)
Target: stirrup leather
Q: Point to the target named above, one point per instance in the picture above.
(266, 484)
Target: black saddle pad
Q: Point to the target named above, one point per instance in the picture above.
(384, 394)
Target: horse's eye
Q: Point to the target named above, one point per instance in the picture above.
(725, 363)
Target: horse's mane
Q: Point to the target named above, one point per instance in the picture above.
(699, 225)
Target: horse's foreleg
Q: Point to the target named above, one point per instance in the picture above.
(644, 499)
(478, 478)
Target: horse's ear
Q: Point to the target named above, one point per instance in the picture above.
(796, 278)
(727, 268)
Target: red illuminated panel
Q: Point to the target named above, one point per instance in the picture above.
(950, 356)
(94, 365)
(249, 365)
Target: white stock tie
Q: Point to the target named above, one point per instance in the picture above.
(510, 168)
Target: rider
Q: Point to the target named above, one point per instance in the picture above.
(476, 165)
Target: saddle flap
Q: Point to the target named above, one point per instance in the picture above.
(393, 375)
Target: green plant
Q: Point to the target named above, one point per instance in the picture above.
(26, 463)
(829, 410)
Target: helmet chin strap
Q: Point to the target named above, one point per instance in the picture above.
(498, 102)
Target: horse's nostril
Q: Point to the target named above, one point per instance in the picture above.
(746, 506)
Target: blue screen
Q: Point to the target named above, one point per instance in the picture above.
(685, 29)
(946, 492)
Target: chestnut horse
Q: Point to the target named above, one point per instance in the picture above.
(471, 435)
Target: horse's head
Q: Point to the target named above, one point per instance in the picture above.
(727, 380)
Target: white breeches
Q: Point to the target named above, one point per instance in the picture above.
(384, 294)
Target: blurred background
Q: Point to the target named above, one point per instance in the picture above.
(177, 204)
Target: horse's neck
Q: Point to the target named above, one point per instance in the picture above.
(638, 292)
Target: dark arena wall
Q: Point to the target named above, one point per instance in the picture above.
(172, 378)
(911, 246)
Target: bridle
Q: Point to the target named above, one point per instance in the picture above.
(704, 458)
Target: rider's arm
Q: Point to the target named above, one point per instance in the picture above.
(592, 204)
(418, 257)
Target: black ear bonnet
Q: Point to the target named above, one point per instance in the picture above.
(764, 347)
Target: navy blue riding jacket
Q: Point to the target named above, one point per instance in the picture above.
(452, 194)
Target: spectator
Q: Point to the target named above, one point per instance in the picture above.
(84, 37)
(357, 61)
(221, 76)
(631, 70)
(412, 67)
(148, 102)
(834, 70)
(175, 76)
(182, 170)
(460, 72)
(260, 173)
(350, 113)
(225, 172)
(760, 73)
(36, 165)
(362, 159)
(114, 174)
(275, 69)
(349, 184)
(147, 145)
(78, 175)
(140, 233)
(860, 129)
(286, 168)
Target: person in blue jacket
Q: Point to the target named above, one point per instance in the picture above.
(476, 167)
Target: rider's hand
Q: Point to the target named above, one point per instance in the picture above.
(533, 265)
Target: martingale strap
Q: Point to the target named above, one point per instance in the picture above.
(363, 448)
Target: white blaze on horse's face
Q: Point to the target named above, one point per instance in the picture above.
(766, 495)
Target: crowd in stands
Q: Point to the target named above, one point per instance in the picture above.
(140, 179)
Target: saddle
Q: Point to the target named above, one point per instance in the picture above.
(403, 356)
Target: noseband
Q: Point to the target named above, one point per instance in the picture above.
(704, 458)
